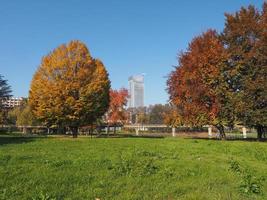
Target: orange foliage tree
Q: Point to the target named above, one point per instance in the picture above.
(70, 88)
(117, 113)
(192, 85)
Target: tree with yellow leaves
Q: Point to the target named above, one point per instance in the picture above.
(70, 88)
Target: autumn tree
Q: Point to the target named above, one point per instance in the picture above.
(70, 88)
(172, 117)
(142, 116)
(138, 115)
(156, 113)
(192, 85)
(245, 72)
(117, 113)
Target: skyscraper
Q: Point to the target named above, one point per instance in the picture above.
(136, 91)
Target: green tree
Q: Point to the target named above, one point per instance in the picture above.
(5, 92)
(245, 72)
(5, 89)
(22, 115)
(70, 88)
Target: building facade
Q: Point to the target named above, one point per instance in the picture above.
(11, 102)
(136, 91)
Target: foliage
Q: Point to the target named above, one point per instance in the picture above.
(156, 113)
(138, 115)
(117, 112)
(5, 92)
(22, 115)
(5, 89)
(172, 117)
(245, 72)
(3, 116)
(70, 88)
(221, 79)
(153, 114)
(43, 196)
(114, 168)
(250, 184)
(142, 117)
(192, 85)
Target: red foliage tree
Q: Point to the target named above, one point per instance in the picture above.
(192, 85)
(117, 113)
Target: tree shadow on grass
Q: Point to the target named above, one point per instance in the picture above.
(4, 140)
(230, 139)
(128, 136)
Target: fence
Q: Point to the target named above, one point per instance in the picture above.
(140, 129)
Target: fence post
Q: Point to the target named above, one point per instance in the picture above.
(210, 132)
(137, 131)
(244, 130)
(24, 129)
(173, 131)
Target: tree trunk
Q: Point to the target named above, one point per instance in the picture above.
(74, 131)
(114, 129)
(91, 131)
(108, 129)
(221, 131)
(260, 132)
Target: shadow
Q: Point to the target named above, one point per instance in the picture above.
(4, 140)
(128, 136)
(231, 139)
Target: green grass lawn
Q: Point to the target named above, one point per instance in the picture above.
(131, 168)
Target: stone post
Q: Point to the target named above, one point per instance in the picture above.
(24, 130)
(210, 131)
(137, 131)
(244, 130)
(173, 131)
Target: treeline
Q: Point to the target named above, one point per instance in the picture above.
(153, 114)
(221, 79)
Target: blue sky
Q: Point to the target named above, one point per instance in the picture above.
(130, 37)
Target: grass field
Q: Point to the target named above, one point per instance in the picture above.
(131, 168)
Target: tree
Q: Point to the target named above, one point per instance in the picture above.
(138, 115)
(117, 113)
(142, 116)
(156, 113)
(193, 85)
(245, 72)
(5, 89)
(22, 115)
(5, 92)
(172, 117)
(70, 88)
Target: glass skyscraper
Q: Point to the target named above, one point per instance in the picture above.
(136, 91)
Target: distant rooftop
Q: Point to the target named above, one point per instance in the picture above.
(137, 78)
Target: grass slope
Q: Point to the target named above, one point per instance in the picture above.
(131, 168)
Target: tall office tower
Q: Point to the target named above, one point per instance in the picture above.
(136, 91)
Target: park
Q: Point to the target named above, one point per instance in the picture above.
(78, 133)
